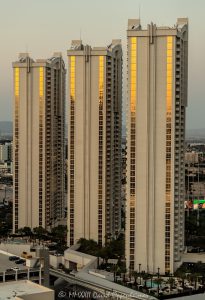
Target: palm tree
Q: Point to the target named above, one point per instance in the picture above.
(123, 271)
(171, 281)
(194, 278)
(151, 278)
(135, 274)
(114, 271)
(180, 274)
(158, 281)
(145, 277)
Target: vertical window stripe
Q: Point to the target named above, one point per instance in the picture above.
(72, 75)
(41, 112)
(169, 86)
(100, 155)
(133, 99)
(16, 145)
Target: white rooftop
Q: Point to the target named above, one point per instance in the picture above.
(78, 253)
(20, 288)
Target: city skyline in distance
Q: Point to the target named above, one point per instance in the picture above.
(28, 28)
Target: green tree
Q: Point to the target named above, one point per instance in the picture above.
(4, 229)
(25, 231)
(182, 275)
(59, 232)
(117, 247)
(40, 232)
(123, 271)
(88, 246)
(105, 253)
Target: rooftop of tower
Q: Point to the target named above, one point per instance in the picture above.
(25, 59)
(78, 45)
(22, 58)
(135, 24)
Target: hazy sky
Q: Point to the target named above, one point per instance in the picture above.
(42, 27)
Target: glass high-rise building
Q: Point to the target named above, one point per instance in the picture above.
(94, 141)
(38, 142)
(157, 100)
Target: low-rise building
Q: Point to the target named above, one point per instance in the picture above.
(34, 266)
(25, 290)
(77, 260)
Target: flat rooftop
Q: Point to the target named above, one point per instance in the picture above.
(5, 263)
(12, 289)
(17, 241)
(78, 253)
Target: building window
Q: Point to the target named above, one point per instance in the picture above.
(16, 142)
(72, 143)
(133, 99)
(168, 148)
(41, 112)
(100, 154)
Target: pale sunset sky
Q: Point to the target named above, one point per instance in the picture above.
(42, 27)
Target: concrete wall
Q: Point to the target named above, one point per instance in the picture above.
(45, 296)
(56, 260)
(32, 262)
(82, 260)
(16, 249)
(193, 257)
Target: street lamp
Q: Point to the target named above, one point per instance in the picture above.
(158, 281)
(140, 272)
(130, 272)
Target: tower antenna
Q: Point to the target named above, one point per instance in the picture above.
(139, 11)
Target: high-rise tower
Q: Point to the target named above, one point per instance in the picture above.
(39, 100)
(157, 99)
(94, 142)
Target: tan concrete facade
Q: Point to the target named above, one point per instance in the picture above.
(95, 107)
(39, 99)
(157, 98)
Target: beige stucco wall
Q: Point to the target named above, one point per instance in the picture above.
(82, 260)
(193, 257)
(150, 152)
(28, 160)
(54, 261)
(15, 249)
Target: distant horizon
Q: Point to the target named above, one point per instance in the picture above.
(123, 125)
